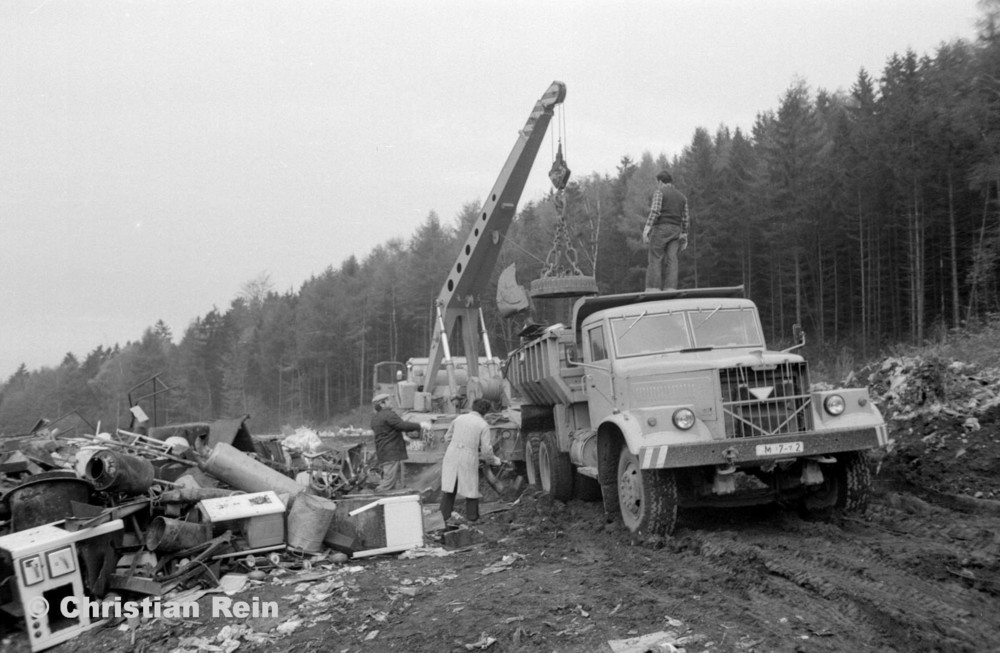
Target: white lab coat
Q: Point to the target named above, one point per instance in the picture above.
(468, 439)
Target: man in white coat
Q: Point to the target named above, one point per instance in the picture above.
(468, 440)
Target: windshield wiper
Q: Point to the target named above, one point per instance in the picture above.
(634, 322)
(690, 349)
(708, 317)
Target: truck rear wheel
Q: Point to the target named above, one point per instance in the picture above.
(647, 497)
(854, 478)
(555, 468)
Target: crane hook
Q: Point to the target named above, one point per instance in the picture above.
(559, 174)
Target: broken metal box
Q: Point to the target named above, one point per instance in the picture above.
(370, 525)
(259, 517)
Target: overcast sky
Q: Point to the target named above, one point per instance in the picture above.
(156, 155)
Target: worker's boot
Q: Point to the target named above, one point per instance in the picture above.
(472, 509)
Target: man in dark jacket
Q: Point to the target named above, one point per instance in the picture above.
(665, 233)
(390, 442)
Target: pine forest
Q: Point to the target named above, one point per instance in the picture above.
(869, 216)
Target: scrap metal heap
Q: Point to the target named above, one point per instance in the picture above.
(89, 516)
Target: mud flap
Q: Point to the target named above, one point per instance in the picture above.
(608, 449)
(610, 497)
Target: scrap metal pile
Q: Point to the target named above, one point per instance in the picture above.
(84, 517)
(907, 386)
(944, 418)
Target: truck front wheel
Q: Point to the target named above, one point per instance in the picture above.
(647, 497)
(854, 477)
(555, 468)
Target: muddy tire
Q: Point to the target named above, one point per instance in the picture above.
(555, 469)
(854, 478)
(647, 497)
(531, 474)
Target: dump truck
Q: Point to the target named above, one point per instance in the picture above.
(664, 400)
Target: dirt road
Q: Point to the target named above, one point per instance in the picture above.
(911, 575)
(920, 571)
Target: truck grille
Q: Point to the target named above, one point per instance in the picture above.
(766, 400)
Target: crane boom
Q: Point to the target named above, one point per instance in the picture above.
(470, 274)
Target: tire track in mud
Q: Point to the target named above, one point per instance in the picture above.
(901, 578)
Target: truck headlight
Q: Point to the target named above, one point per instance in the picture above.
(683, 418)
(834, 404)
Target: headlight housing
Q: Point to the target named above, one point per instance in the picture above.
(834, 404)
(683, 418)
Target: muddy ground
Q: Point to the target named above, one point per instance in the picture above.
(919, 571)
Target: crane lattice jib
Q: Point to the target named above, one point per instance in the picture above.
(474, 265)
(470, 274)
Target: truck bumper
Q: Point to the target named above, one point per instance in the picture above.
(743, 451)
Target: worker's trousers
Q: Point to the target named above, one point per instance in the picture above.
(448, 504)
(392, 476)
(661, 267)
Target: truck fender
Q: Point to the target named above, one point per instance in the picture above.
(627, 427)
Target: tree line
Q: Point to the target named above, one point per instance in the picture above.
(869, 216)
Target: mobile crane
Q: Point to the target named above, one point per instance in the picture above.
(439, 387)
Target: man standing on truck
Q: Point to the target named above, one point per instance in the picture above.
(390, 442)
(665, 233)
(468, 439)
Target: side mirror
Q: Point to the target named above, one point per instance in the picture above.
(799, 336)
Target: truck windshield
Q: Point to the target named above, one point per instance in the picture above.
(711, 328)
(653, 334)
(725, 328)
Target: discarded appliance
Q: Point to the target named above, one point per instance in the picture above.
(50, 583)
(258, 517)
(369, 525)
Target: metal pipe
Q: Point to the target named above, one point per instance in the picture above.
(449, 364)
(486, 337)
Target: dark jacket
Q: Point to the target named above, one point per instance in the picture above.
(389, 443)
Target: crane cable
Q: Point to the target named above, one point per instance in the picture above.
(562, 247)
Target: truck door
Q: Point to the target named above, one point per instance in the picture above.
(598, 381)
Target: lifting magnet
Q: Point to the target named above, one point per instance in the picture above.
(565, 286)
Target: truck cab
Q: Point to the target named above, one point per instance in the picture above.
(672, 399)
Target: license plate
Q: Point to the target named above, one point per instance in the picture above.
(779, 449)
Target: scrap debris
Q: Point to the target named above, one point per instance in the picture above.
(942, 413)
(180, 512)
(909, 386)
(503, 564)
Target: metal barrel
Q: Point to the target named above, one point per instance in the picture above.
(169, 535)
(119, 472)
